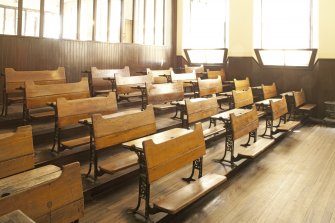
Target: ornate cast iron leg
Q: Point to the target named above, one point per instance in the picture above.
(56, 134)
(197, 165)
(92, 149)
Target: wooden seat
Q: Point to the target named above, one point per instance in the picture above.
(242, 85)
(69, 112)
(200, 110)
(16, 216)
(45, 194)
(160, 76)
(116, 129)
(126, 86)
(269, 91)
(16, 79)
(99, 85)
(253, 150)
(16, 151)
(187, 195)
(161, 95)
(278, 111)
(37, 96)
(300, 103)
(168, 156)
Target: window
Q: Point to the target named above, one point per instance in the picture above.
(115, 21)
(159, 22)
(149, 22)
(70, 19)
(285, 32)
(51, 18)
(8, 17)
(139, 22)
(206, 56)
(205, 24)
(31, 18)
(86, 20)
(101, 20)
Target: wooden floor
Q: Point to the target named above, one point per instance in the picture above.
(293, 181)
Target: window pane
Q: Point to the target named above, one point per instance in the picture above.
(86, 19)
(159, 23)
(199, 56)
(8, 17)
(272, 57)
(31, 18)
(206, 25)
(70, 19)
(51, 18)
(139, 22)
(149, 21)
(290, 30)
(298, 58)
(101, 20)
(115, 21)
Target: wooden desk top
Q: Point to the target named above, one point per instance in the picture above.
(288, 93)
(88, 121)
(266, 102)
(31, 178)
(226, 115)
(16, 216)
(182, 103)
(157, 138)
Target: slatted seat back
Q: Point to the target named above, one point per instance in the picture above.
(16, 151)
(183, 76)
(299, 97)
(199, 110)
(213, 74)
(16, 79)
(171, 155)
(123, 128)
(199, 69)
(278, 108)
(164, 93)
(243, 98)
(242, 85)
(269, 91)
(160, 76)
(124, 85)
(99, 74)
(69, 112)
(37, 96)
(245, 123)
(209, 86)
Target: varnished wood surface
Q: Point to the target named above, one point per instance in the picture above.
(278, 108)
(243, 98)
(99, 77)
(299, 97)
(189, 69)
(202, 109)
(242, 85)
(244, 123)
(209, 86)
(269, 91)
(164, 93)
(293, 182)
(16, 216)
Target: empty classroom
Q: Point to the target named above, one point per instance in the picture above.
(167, 111)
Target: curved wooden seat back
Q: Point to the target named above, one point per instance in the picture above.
(16, 151)
(69, 112)
(299, 97)
(214, 74)
(199, 110)
(125, 85)
(278, 108)
(16, 79)
(209, 86)
(122, 128)
(183, 76)
(38, 96)
(98, 74)
(243, 98)
(242, 85)
(164, 93)
(53, 197)
(244, 123)
(168, 156)
(269, 91)
(159, 76)
(189, 69)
